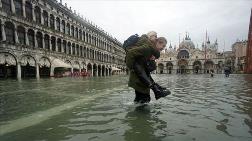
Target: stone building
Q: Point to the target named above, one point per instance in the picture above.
(239, 49)
(43, 37)
(190, 59)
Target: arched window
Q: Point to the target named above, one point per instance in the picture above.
(31, 38)
(87, 53)
(84, 36)
(73, 48)
(77, 50)
(47, 42)
(28, 10)
(80, 34)
(6, 5)
(18, 7)
(64, 46)
(37, 14)
(21, 34)
(52, 21)
(72, 31)
(76, 33)
(9, 31)
(59, 45)
(68, 28)
(69, 48)
(89, 37)
(45, 17)
(63, 25)
(39, 39)
(81, 51)
(53, 43)
(58, 23)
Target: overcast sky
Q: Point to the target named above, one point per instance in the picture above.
(225, 20)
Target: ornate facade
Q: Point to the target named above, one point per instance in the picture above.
(44, 37)
(189, 59)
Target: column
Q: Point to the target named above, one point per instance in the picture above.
(50, 43)
(3, 31)
(26, 38)
(56, 44)
(62, 46)
(23, 8)
(72, 70)
(42, 18)
(33, 13)
(16, 35)
(37, 71)
(13, 10)
(51, 71)
(18, 71)
(92, 71)
(35, 39)
(0, 4)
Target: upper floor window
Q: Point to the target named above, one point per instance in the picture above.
(9, 30)
(28, 10)
(6, 5)
(38, 14)
(58, 24)
(52, 21)
(18, 7)
(45, 17)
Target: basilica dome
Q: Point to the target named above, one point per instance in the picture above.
(187, 43)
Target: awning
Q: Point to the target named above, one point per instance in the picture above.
(59, 63)
(115, 69)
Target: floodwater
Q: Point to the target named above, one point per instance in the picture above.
(101, 109)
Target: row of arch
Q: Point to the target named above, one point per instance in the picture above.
(19, 34)
(34, 12)
(197, 67)
(27, 66)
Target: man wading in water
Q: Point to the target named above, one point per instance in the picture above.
(140, 59)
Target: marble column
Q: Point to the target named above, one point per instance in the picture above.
(26, 38)
(50, 43)
(43, 42)
(41, 17)
(51, 71)
(16, 35)
(35, 40)
(18, 71)
(3, 31)
(0, 4)
(23, 8)
(37, 71)
(56, 44)
(72, 70)
(33, 13)
(13, 10)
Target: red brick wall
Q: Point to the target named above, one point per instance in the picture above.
(249, 48)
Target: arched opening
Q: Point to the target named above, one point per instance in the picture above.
(6, 5)
(58, 24)
(31, 38)
(161, 68)
(18, 7)
(72, 31)
(209, 66)
(39, 39)
(59, 44)
(182, 66)
(95, 70)
(99, 70)
(21, 35)
(68, 29)
(73, 49)
(44, 67)
(9, 31)
(8, 65)
(197, 67)
(77, 50)
(64, 46)
(60, 71)
(80, 34)
(183, 54)
(69, 48)
(89, 69)
(47, 42)
(76, 33)
(52, 21)
(28, 67)
(53, 43)
(37, 14)
(45, 17)
(169, 67)
(63, 25)
(220, 66)
(103, 70)
(28, 10)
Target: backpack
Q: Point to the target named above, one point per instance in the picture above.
(131, 41)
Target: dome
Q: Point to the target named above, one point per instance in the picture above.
(187, 43)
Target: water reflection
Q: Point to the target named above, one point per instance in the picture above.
(143, 124)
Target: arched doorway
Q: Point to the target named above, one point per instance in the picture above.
(28, 67)
(95, 70)
(8, 65)
(160, 68)
(99, 70)
(197, 67)
(103, 70)
(89, 69)
(209, 66)
(44, 67)
(169, 67)
(182, 66)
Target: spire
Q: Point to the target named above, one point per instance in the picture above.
(170, 46)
